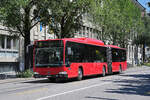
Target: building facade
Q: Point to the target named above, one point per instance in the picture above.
(147, 53)
(9, 51)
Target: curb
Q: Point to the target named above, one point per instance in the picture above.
(11, 80)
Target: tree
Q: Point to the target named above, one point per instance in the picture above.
(22, 16)
(62, 16)
(143, 38)
(117, 20)
(67, 17)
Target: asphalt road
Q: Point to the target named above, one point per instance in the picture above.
(133, 84)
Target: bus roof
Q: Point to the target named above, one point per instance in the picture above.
(86, 41)
(81, 40)
(114, 46)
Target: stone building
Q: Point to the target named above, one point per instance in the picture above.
(9, 51)
(147, 53)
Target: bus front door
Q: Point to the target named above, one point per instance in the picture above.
(109, 60)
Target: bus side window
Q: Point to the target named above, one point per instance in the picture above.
(69, 54)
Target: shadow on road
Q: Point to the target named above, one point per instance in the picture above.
(139, 85)
(99, 98)
(65, 81)
(38, 81)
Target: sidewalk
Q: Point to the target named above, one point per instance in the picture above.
(6, 75)
(9, 80)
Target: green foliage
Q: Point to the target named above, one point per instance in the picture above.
(67, 17)
(62, 16)
(118, 20)
(26, 74)
(144, 37)
(147, 64)
(22, 16)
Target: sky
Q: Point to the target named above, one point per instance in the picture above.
(144, 4)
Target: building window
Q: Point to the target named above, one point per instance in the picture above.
(2, 42)
(15, 44)
(84, 29)
(148, 49)
(7, 42)
(37, 28)
(87, 31)
(94, 31)
(80, 32)
(91, 30)
(8, 46)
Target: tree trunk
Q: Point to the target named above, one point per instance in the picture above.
(65, 28)
(27, 25)
(26, 50)
(62, 35)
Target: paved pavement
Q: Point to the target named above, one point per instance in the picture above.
(12, 80)
(132, 84)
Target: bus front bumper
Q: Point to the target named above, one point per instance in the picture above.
(60, 75)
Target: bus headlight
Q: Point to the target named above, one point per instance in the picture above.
(63, 72)
(36, 73)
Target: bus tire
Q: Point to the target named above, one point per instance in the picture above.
(80, 74)
(120, 69)
(103, 72)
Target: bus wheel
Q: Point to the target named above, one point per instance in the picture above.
(104, 72)
(120, 69)
(80, 74)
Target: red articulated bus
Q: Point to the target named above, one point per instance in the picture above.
(76, 57)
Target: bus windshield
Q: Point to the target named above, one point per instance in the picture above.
(49, 55)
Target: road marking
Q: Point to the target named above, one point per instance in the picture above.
(31, 91)
(96, 85)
